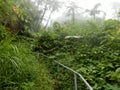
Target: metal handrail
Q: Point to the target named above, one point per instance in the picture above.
(75, 76)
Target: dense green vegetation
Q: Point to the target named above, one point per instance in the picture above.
(27, 58)
(95, 55)
(20, 67)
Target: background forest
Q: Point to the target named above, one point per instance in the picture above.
(30, 42)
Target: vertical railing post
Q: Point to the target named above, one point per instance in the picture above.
(75, 81)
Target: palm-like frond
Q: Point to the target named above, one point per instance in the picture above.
(96, 6)
(95, 10)
(73, 8)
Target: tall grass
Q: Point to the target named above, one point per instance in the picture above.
(20, 69)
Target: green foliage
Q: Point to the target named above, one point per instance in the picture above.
(111, 24)
(3, 32)
(95, 56)
(6, 10)
(20, 69)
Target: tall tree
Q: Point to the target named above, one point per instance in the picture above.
(72, 10)
(26, 13)
(31, 12)
(54, 5)
(94, 11)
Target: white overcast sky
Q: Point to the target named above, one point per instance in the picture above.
(106, 5)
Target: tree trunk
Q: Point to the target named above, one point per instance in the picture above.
(42, 17)
(73, 17)
(94, 17)
(48, 19)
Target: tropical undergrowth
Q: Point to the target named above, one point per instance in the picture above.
(96, 55)
(19, 66)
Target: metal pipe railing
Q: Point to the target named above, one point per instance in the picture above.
(75, 76)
